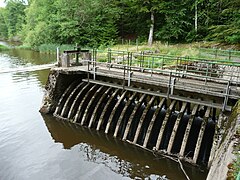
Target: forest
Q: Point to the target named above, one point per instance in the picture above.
(105, 22)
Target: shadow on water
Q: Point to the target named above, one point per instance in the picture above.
(119, 156)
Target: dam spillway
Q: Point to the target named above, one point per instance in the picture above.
(173, 111)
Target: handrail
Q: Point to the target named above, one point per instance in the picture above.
(170, 71)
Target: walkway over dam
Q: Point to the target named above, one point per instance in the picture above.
(173, 106)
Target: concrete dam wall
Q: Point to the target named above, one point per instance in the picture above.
(171, 112)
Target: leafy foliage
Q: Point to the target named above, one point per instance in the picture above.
(101, 22)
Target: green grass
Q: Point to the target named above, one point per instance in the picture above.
(193, 50)
(52, 48)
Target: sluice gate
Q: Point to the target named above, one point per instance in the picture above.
(167, 111)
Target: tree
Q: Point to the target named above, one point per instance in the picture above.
(3, 24)
(149, 7)
(14, 17)
(176, 21)
(227, 27)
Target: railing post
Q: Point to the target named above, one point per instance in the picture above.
(94, 68)
(129, 78)
(226, 96)
(131, 61)
(206, 73)
(143, 60)
(77, 54)
(162, 62)
(173, 85)
(109, 58)
(229, 54)
(124, 74)
(169, 84)
(152, 66)
(58, 57)
(88, 71)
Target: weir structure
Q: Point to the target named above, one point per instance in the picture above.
(177, 106)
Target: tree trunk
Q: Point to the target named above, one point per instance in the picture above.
(150, 37)
(196, 16)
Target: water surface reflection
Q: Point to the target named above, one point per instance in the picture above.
(119, 156)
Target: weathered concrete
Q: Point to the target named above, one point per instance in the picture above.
(225, 152)
(143, 96)
(56, 84)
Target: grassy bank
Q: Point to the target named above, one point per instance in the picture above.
(194, 50)
(206, 50)
(52, 48)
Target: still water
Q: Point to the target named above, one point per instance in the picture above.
(33, 146)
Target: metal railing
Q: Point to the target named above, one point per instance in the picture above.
(214, 77)
(220, 54)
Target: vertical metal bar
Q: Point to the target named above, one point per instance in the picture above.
(131, 59)
(169, 84)
(129, 78)
(152, 66)
(229, 54)
(94, 69)
(143, 58)
(77, 54)
(88, 71)
(124, 74)
(173, 85)
(162, 62)
(177, 64)
(58, 57)
(226, 96)
(109, 56)
(148, 63)
(207, 74)
(128, 61)
(187, 64)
